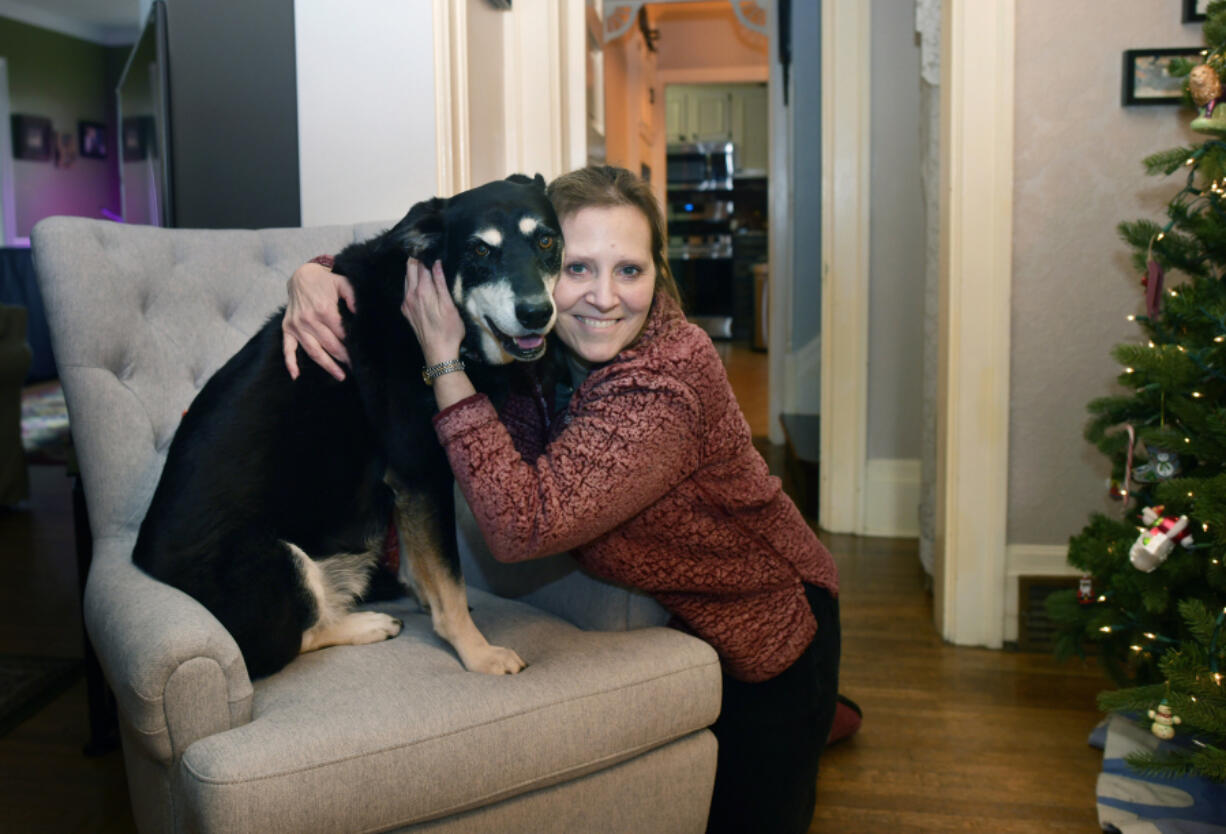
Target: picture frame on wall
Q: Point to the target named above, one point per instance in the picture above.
(91, 138)
(1146, 79)
(1194, 11)
(32, 138)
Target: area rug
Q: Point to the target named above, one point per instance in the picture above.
(27, 684)
(44, 424)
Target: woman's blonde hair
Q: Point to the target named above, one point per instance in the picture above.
(608, 185)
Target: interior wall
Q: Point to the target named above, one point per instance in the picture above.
(1077, 174)
(896, 248)
(67, 80)
(707, 36)
(805, 103)
(365, 88)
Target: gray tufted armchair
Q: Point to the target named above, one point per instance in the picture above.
(604, 731)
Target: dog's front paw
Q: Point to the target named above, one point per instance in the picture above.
(372, 626)
(493, 660)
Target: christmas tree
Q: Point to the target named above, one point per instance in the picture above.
(1152, 600)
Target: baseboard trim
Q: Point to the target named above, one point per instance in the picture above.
(1030, 560)
(891, 498)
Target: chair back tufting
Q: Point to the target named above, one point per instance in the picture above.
(140, 318)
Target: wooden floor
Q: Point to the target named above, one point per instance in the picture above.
(954, 739)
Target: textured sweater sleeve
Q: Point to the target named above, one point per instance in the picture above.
(625, 445)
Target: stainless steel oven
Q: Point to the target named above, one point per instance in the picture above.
(700, 255)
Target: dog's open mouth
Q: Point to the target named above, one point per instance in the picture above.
(525, 348)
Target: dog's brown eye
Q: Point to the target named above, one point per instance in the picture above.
(545, 241)
(481, 249)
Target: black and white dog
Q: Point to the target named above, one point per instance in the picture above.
(274, 501)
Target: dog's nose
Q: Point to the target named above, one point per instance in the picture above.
(534, 314)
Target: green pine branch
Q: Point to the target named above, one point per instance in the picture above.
(1210, 763)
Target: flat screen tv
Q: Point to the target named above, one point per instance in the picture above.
(143, 96)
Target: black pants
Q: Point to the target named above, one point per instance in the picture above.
(771, 736)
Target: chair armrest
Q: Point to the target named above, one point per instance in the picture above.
(177, 674)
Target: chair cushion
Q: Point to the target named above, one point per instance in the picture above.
(424, 738)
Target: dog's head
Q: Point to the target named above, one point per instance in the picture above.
(501, 249)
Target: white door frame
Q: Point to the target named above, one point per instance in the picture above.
(976, 280)
(977, 80)
(846, 125)
(544, 122)
(451, 124)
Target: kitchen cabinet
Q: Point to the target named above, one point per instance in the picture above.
(721, 112)
(699, 113)
(751, 129)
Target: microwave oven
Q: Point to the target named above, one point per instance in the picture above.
(707, 166)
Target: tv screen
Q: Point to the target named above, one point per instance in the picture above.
(144, 112)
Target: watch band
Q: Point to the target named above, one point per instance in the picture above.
(433, 372)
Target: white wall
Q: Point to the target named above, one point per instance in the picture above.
(1077, 174)
(896, 257)
(896, 278)
(366, 138)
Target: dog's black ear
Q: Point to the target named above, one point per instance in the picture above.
(538, 180)
(420, 233)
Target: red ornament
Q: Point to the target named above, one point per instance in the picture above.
(1154, 279)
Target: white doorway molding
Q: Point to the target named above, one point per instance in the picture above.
(533, 77)
(977, 80)
(846, 125)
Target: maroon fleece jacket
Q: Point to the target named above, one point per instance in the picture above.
(649, 477)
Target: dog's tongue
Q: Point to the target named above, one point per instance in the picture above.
(529, 342)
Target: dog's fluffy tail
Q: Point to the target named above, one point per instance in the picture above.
(336, 582)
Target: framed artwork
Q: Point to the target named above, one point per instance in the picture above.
(32, 138)
(92, 139)
(1146, 79)
(1194, 10)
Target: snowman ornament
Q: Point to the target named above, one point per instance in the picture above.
(1164, 721)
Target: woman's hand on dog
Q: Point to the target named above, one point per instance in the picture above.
(431, 312)
(313, 320)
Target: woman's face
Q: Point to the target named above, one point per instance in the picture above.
(607, 282)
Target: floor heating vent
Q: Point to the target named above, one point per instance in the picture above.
(1035, 630)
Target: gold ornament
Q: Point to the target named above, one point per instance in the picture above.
(1204, 84)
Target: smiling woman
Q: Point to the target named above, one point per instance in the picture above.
(608, 281)
(633, 454)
